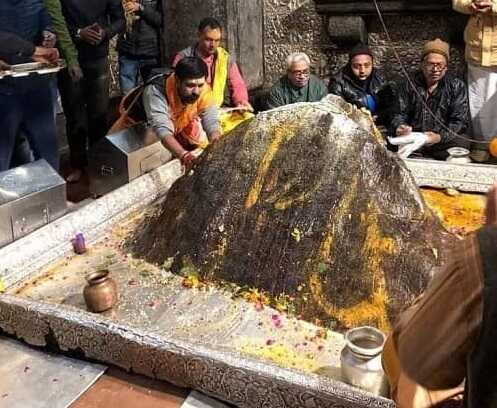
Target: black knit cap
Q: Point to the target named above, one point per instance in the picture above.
(360, 49)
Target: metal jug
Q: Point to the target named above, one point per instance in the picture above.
(361, 360)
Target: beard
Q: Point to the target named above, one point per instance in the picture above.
(189, 99)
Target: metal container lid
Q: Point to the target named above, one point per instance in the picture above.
(27, 179)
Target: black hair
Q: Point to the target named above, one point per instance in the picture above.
(190, 68)
(210, 22)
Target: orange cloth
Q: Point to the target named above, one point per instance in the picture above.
(186, 117)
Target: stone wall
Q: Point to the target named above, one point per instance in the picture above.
(294, 25)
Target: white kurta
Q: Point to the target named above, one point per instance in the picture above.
(482, 92)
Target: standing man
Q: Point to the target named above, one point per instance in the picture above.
(298, 85)
(139, 45)
(444, 95)
(92, 24)
(223, 75)
(26, 103)
(481, 55)
(182, 110)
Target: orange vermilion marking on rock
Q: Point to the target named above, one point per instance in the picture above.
(376, 246)
(281, 136)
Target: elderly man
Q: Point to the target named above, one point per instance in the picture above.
(182, 111)
(298, 85)
(26, 104)
(434, 111)
(361, 84)
(481, 56)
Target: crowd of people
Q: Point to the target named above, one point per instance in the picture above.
(204, 95)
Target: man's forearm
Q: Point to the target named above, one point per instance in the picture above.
(237, 84)
(61, 29)
(171, 144)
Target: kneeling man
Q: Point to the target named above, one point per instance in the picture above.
(182, 111)
(298, 85)
(445, 96)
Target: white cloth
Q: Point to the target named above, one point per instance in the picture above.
(482, 92)
(409, 143)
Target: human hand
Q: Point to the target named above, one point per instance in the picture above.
(92, 34)
(75, 72)
(214, 137)
(403, 130)
(131, 6)
(187, 160)
(46, 55)
(433, 138)
(481, 6)
(49, 39)
(245, 106)
(491, 207)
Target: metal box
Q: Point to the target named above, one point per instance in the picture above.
(31, 196)
(123, 156)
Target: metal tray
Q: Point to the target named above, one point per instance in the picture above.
(40, 68)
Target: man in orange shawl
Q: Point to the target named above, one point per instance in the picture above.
(182, 110)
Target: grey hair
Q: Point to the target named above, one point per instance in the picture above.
(296, 57)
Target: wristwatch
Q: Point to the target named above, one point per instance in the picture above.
(78, 33)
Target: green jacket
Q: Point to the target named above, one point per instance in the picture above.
(64, 41)
(284, 93)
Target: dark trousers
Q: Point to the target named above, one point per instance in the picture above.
(32, 114)
(85, 105)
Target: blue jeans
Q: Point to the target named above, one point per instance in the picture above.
(32, 114)
(130, 70)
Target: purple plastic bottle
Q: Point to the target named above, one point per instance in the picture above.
(78, 243)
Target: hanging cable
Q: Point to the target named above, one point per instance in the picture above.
(413, 86)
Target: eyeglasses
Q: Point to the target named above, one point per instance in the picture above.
(435, 66)
(304, 72)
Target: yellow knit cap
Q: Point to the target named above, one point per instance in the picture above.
(437, 47)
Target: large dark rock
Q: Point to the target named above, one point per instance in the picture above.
(302, 201)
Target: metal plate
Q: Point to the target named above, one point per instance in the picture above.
(40, 68)
(36, 379)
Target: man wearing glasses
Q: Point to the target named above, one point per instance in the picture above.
(298, 85)
(432, 89)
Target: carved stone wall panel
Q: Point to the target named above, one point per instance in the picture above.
(292, 25)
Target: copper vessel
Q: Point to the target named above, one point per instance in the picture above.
(101, 291)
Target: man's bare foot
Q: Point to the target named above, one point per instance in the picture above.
(74, 176)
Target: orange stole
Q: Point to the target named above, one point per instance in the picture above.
(186, 117)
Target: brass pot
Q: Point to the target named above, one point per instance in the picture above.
(101, 291)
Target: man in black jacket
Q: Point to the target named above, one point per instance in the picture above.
(360, 84)
(92, 23)
(139, 46)
(445, 96)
